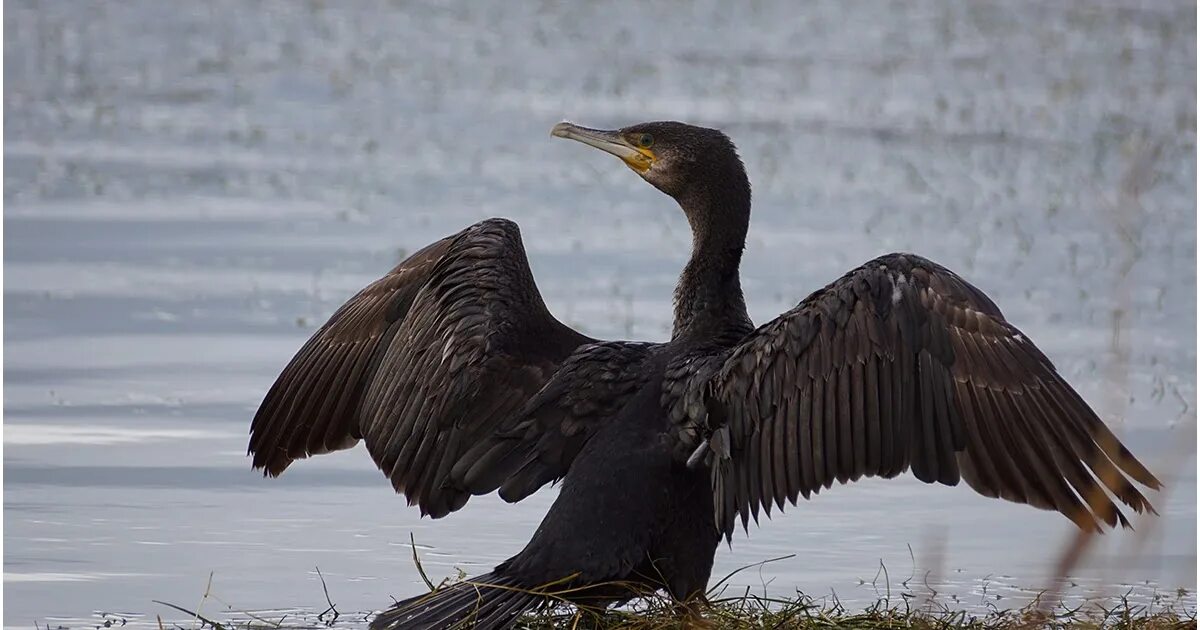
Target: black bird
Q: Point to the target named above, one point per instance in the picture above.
(462, 383)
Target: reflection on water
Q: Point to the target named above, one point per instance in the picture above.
(16, 434)
(190, 189)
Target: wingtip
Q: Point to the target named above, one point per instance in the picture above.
(274, 468)
(1152, 482)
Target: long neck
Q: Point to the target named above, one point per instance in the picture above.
(708, 300)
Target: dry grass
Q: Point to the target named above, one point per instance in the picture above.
(753, 612)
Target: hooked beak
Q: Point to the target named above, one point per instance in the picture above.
(636, 158)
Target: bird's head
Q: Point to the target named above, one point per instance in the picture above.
(679, 159)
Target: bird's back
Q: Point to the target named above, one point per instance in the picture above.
(629, 508)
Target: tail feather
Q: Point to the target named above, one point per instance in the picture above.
(487, 602)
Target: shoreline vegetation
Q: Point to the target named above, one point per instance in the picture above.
(1055, 608)
(748, 611)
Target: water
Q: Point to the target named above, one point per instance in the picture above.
(191, 188)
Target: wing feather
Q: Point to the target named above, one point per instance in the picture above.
(808, 458)
(889, 405)
(818, 447)
(844, 426)
(872, 419)
(829, 422)
(857, 399)
(788, 469)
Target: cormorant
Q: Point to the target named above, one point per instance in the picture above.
(462, 383)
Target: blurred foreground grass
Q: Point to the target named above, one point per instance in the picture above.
(752, 612)
(1055, 608)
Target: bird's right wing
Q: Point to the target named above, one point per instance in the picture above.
(901, 364)
(422, 364)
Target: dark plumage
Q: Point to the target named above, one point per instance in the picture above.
(462, 383)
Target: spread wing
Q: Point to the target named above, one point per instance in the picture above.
(900, 364)
(422, 364)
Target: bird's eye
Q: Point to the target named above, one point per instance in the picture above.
(645, 141)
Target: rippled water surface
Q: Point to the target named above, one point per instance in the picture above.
(190, 188)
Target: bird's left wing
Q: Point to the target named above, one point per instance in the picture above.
(902, 364)
(422, 365)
